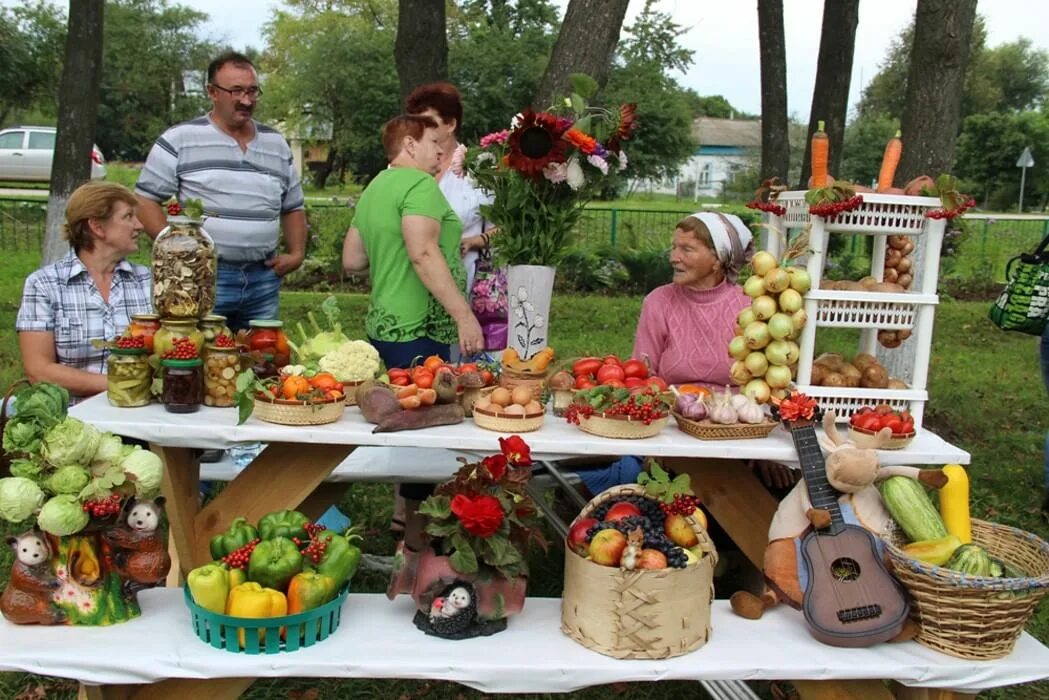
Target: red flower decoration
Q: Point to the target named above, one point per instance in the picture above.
(627, 126)
(583, 142)
(796, 407)
(535, 143)
(496, 465)
(516, 450)
(480, 516)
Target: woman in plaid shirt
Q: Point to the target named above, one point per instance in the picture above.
(90, 294)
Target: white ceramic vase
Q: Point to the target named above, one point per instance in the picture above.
(529, 288)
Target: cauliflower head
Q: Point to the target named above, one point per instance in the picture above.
(353, 361)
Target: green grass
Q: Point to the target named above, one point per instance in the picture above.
(985, 394)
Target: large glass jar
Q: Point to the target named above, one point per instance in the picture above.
(144, 326)
(172, 328)
(183, 385)
(266, 337)
(184, 264)
(212, 326)
(221, 366)
(128, 377)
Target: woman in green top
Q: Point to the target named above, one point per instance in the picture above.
(407, 235)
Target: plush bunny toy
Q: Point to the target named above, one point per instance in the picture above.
(852, 471)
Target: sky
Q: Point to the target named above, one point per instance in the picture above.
(724, 36)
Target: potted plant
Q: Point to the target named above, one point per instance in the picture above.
(481, 523)
(542, 172)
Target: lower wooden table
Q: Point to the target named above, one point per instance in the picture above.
(292, 473)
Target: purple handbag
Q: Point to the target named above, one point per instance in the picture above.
(488, 298)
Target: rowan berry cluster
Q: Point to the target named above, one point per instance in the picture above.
(315, 550)
(768, 207)
(952, 213)
(683, 504)
(103, 508)
(174, 209)
(182, 349)
(238, 558)
(224, 341)
(832, 209)
(131, 342)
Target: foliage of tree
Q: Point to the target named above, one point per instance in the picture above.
(715, 106)
(865, 139)
(986, 157)
(32, 39)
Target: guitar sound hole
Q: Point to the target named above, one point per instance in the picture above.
(845, 569)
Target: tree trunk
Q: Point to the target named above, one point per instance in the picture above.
(775, 145)
(830, 98)
(421, 49)
(78, 96)
(585, 44)
(931, 118)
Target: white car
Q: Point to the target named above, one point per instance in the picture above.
(26, 153)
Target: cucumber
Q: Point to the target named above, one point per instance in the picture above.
(912, 509)
(971, 559)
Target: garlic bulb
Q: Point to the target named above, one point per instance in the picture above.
(751, 412)
(721, 410)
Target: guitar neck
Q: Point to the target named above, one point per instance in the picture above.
(821, 494)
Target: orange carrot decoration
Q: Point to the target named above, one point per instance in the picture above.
(820, 156)
(889, 162)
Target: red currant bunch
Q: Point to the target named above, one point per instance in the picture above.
(224, 341)
(174, 209)
(182, 349)
(574, 411)
(683, 504)
(238, 558)
(104, 507)
(131, 342)
(829, 210)
(315, 550)
(769, 207)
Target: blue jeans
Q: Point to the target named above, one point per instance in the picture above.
(246, 290)
(402, 354)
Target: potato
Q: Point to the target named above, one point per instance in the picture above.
(895, 383)
(864, 360)
(828, 284)
(905, 280)
(830, 360)
(887, 287)
(888, 339)
(868, 281)
(819, 373)
(850, 286)
(834, 379)
(897, 241)
(851, 374)
(875, 377)
(914, 187)
(903, 334)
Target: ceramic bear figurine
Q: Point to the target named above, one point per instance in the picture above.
(27, 598)
(141, 554)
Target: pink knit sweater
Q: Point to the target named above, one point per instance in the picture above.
(685, 332)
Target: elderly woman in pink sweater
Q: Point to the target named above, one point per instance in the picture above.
(685, 327)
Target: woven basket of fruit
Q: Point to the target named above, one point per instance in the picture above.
(506, 411)
(975, 605)
(286, 412)
(612, 412)
(621, 427)
(638, 576)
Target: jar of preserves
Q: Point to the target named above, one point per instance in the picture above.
(212, 326)
(144, 326)
(129, 377)
(267, 337)
(263, 366)
(221, 366)
(172, 328)
(184, 266)
(183, 385)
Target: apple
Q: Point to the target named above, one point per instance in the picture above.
(679, 531)
(622, 509)
(577, 536)
(651, 559)
(606, 547)
(691, 556)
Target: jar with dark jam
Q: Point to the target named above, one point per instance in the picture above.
(183, 385)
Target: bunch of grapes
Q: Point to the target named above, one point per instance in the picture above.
(770, 207)
(182, 349)
(131, 342)
(224, 341)
(103, 508)
(831, 209)
(683, 504)
(238, 558)
(952, 213)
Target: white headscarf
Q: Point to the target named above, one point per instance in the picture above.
(733, 241)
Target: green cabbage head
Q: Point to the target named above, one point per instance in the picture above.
(110, 449)
(62, 515)
(144, 469)
(68, 479)
(71, 442)
(19, 498)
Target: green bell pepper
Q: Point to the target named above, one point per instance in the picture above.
(240, 533)
(209, 586)
(284, 523)
(274, 562)
(340, 559)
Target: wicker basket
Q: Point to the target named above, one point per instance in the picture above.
(861, 437)
(349, 389)
(706, 430)
(975, 617)
(510, 379)
(621, 427)
(640, 614)
(503, 423)
(286, 412)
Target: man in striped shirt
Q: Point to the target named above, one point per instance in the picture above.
(242, 172)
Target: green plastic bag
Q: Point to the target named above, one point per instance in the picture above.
(1024, 303)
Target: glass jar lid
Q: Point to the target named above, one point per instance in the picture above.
(128, 351)
(265, 323)
(194, 362)
(213, 318)
(179, 321)
(145, 317)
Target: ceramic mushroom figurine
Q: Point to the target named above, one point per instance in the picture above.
(851, 470)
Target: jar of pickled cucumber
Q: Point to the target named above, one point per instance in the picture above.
(172, 328)
(212, 326)
(221, 366)
(183, 385)
(128, 377)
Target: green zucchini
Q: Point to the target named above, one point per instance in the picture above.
(912, 509)
(971, 559)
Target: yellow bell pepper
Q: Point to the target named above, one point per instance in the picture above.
(954, 503)
(253, 601)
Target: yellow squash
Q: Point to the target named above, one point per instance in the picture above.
(954, 503)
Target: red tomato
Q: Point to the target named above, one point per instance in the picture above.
(883, 409)
(468, 367)
(660, 383)
(263, 338)
(632, 382)
(400, 380)
(614, 383)
(583, 381)
(424, 378)
(612, 360)
(585, 366)
(609, 372)
(868, 421)
(488, 377)
(635, 368)
(394, 373)
(895, 425)
(908, 427)
(433, 362)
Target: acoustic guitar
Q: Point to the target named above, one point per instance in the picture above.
(851, 599)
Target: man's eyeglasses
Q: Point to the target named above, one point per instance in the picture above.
(254, 92)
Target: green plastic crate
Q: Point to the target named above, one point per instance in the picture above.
(302, 629)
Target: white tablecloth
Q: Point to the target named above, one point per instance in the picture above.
(217, 428)
(531, 656)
